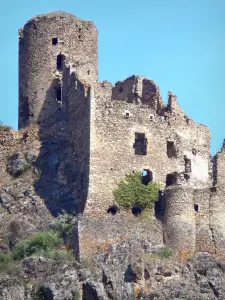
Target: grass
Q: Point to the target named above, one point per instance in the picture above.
(164, 253)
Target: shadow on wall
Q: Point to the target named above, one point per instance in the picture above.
(63, 168)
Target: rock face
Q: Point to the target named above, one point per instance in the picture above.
(119, 277)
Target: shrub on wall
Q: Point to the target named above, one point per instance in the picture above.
(132, 192)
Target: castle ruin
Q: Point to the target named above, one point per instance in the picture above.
(113, 130)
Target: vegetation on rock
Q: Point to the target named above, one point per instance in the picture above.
(49, 244)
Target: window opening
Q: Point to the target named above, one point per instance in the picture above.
(89, 72)
(151, 117)
(171, 149)
(54, 41)
(140, 144)
(170, 179)
(187, 163)
(59, 93)
(146, 176)
(60, 62)
(196, 207)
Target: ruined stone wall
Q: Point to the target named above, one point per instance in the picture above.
(219, 168)
(43, 80)
(217, 202)
(79, 99)
(115, 152)
(180, 227)
(204, 241)
(217, 219)
(107, 232)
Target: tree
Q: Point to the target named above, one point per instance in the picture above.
(132, 192)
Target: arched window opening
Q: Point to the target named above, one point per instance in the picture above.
(60, 62)
(146, 176)
(196, 207)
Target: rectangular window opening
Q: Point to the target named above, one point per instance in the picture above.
(140, 144)
(171, 149)
(54, 41)
(59, 93)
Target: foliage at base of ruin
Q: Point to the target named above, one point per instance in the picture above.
(132, 192)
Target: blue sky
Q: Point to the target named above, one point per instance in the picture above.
(180, 44)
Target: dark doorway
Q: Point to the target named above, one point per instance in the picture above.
(146, 176)
(140, 144)
(160, 205)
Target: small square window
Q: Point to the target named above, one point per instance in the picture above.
(126, 114)
(151, 118)
(54, 41)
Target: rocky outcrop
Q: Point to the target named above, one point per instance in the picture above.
(149, 276)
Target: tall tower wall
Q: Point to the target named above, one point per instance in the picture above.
(51, 47)
(217, 202)
(180, 228)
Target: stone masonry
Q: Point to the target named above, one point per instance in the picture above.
(112, 130)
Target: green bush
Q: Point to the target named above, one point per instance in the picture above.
(45, 240)
(62, 224)
(5, 260)
(131, 191)
(166, 252)
(57, 255)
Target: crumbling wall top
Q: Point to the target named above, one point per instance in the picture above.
(58, 16)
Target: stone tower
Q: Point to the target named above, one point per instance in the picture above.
(180, 226)
(51, 47)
